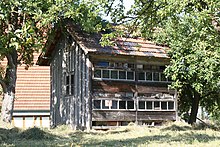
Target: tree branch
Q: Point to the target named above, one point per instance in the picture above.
(2, 83)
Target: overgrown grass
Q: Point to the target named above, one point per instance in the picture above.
(172, 134)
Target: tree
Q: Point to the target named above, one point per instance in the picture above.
(24, 27)
(191, 29)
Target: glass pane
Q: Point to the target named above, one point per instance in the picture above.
(122, 105)
(67, 80)
(105, 73)
(157, 105)
(130, 104)
(163, 77)
(114, 104)
(106, 104)
(97, 73)
(149, 104)
(141, 76)
(114, 74)
(130, 75)
(97, 104)
(141, 104)
(72, 89)
(148, 76)
(170, 105)
(156, 76)
(164, 105)
(67, 89)
(122, 75)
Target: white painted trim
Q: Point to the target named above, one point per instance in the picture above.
(31, 113)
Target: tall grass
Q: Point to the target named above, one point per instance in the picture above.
(171, 134)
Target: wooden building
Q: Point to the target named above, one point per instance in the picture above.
(32, 97)
(95, 86)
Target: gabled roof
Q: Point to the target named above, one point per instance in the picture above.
(90, 43)
(32, 88)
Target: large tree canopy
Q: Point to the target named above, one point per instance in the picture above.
(192, 31)
(24, 27)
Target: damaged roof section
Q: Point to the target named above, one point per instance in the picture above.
(90, 43)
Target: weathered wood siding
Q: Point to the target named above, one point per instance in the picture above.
(70, 99)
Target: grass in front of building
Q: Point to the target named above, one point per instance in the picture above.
(173, 134)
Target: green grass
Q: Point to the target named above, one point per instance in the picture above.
(173, 134)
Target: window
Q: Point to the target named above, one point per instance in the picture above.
(148, 76)
(105, 74)
(170, 105)
(157, 105)
(141, 76)
(130, 104)
(122, 75)
(149, 105)
(164, 105)
(97, 104)
(114, 74)
(72, 84)
(163, 77)
(67, 85)
(106, 104)
(156, 76)
(97, 73)
(130, 75)
(122, 105)
(114, 104)
(141, 104)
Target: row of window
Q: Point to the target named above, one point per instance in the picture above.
(104, 104)
(114, 74)
(105, 64)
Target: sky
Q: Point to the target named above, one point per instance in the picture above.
(127, 4)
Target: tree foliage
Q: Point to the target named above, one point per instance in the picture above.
(192, 31)
(24, 27)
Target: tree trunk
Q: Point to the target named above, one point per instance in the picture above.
(7, 107)
(194, 108)
(8, 84)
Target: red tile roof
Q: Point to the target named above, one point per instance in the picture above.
(32, 88)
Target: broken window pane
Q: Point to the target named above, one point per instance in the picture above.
(97, 104)
(105, 74)
(97, 73)
(122, 75)
(148, 76)
(122, 105)
(156, 76)
(149, 104)
(114, 74)
(170, 105)
(130, 75)
(106, 104)
(141, 104)
(164, 105)
(130, 104)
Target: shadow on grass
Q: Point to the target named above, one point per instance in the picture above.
(185, 138)
(175, 127)
(10, 136)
